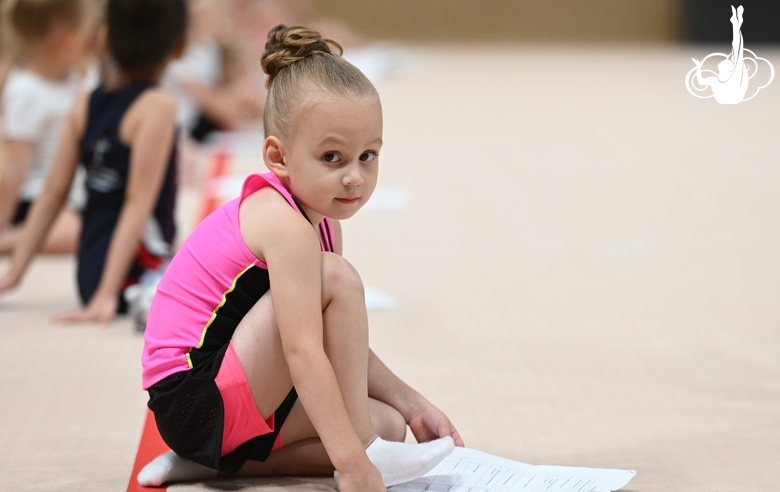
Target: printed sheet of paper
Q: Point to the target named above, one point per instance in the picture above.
(469, 470)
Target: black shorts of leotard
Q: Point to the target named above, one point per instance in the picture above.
(22, 209)
(188, 409)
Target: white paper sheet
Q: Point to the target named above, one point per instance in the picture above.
(469, 470)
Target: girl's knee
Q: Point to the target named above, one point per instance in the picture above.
(338, 273)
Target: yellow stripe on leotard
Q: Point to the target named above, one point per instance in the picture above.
(214, 314)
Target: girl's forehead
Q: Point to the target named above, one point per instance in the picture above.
(335, 103)
(343, 116)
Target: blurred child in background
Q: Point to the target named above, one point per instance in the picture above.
(7, 50)
(212, 79)
(124, 134)
(50, 39)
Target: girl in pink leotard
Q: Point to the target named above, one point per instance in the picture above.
(256, 352)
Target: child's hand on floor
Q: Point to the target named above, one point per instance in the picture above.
(100, 310)
(8, 282)
(430, 423)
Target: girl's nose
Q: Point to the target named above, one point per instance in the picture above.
(353, 177)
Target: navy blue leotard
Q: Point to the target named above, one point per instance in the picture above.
(107, 161)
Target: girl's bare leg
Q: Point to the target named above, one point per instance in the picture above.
(308, 456)
(63, 238)
(7, 240)
(258, 346)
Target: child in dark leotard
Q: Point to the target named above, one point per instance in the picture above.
(256, 352)
(123, 133)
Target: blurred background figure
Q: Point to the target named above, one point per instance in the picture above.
(211, 79)
(221, 89)
(7, 48)
(123, 134)
(218, 82)
(41, 76)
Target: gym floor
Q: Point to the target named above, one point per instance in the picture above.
(587, 269)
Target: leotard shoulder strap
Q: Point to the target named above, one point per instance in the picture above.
(255, 182)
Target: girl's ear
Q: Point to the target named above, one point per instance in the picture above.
(273, 155)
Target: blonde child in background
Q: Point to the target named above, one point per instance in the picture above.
(51, 38)
(7, 55)
(123, 133)
(256, 354)
(7, 48)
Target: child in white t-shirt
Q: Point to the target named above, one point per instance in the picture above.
(52, 37)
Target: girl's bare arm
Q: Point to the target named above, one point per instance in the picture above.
(17, 156)
(290, 247)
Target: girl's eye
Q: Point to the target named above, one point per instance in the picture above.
(367, 156)
(331, 157)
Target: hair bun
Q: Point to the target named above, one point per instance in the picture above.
(287, 45)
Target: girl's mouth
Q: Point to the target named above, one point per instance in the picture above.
(348, 201)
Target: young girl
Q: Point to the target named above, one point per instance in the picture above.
(256, 346)
(52, 36)
(123, 134)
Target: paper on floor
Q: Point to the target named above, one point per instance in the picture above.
(469, 470)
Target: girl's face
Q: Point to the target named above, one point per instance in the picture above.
(75, 42)
(331, 157)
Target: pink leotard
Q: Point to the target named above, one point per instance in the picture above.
(211, 283)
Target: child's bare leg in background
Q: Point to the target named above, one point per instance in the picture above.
(63, 238)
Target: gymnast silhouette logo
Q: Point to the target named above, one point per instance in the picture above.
(730, 84)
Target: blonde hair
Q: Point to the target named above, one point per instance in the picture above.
(33, 20)
(297, 59)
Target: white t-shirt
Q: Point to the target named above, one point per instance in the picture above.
(33, 111)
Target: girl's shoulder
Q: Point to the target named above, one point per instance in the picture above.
(153, 103)
(153, 108)
(268, 221)
(155, 96)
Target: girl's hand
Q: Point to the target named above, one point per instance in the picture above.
(368, 480)
(101, 309)
(8, 282)
(430, 423)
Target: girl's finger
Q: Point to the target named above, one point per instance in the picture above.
(444, 429)
(456, 437)
(71, 317)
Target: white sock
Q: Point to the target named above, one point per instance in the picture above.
(169, 467)
(400, 462)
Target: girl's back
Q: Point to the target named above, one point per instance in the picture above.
(106, 159)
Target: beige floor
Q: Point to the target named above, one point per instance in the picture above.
(589, 271)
